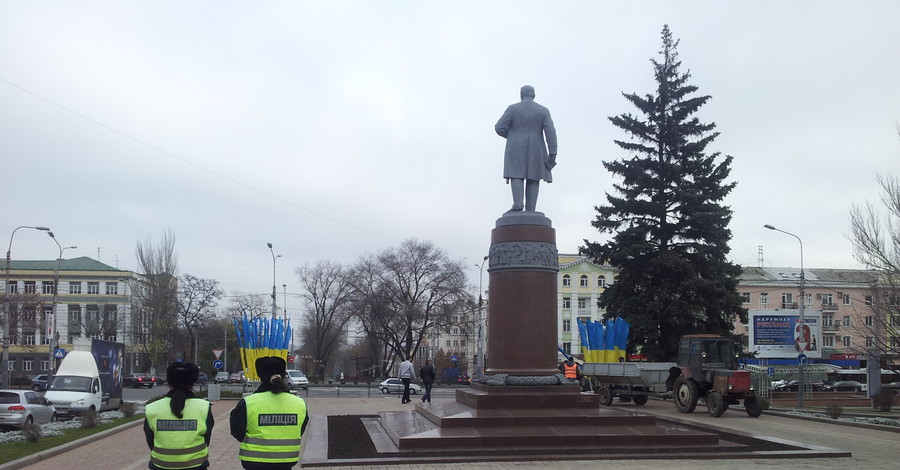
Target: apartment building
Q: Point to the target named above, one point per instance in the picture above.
(581, 281)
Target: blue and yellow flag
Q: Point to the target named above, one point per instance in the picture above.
(258, 337)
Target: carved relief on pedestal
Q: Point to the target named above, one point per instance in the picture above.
(531, 256)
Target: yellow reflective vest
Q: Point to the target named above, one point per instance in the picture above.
(274, 421)
(178, 442)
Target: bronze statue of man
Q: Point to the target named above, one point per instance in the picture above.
(527, 161)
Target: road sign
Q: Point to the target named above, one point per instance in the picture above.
(453, 358)
(218, 352)
(59, 353)
(770, 371)
(217, 364)
(801, 359)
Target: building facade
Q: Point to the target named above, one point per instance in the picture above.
(92, 301)
(581, 281)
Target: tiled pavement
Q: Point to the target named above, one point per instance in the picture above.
(872, 449)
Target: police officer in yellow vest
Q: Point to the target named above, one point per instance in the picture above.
(270, 422)
(178, 427)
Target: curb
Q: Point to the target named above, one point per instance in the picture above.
(35, 458)
(785, 414)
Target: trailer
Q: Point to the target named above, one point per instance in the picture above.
(630, 381)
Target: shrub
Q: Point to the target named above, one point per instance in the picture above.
(128, 409)
(884, 399)
(32, 432)
(90, 419)
(834, 411)
(764, 402)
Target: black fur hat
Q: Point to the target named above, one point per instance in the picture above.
(182, 373)
(267, 366)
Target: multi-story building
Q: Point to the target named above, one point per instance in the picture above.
(843, 297)
(581, 282)
(92, 300)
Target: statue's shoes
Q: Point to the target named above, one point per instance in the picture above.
(516, 208)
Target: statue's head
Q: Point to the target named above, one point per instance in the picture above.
(526, 90)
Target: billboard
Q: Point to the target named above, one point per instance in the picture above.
(778, 334)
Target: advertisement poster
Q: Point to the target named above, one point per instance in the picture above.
(110, 359)
(778, 334)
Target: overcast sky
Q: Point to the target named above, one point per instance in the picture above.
(335, 129)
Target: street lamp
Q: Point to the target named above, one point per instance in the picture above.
(801, 345)
(51, 322)
(479, 360)
(273, 277)
(4, 362)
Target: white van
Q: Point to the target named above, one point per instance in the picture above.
(76, 386)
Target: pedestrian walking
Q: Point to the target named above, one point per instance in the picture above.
(178, 427)
(270, 422)
(426, 373)
(406, 374)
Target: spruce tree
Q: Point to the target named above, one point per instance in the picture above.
(669, 228)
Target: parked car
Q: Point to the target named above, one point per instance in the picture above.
(221, 377)
(463, 380)
(297, 379)
(39, 383)
(846, 386)
(18, 407)
(237, 378)
(139, 380)
(794, 385)
(202, 379)
(895, 386)
(395, 385)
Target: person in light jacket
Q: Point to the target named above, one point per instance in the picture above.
(178, 427)
(406, 374)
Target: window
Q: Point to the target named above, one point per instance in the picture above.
(868, 300)
(895, 320)
(870, 341)
(763, 299)
(13, 287)
(582, 303)
(28, 339)
(846, 341)
(74, 287)
(601, 281)
(448, 343)
(895, 341)
(45, 365)
(567, 302)
(112, 288)
(809, 300)
(583, 281)
(846, 299)
(456, 331)
(787, 300)
(455, 343)
(30, 287)
(567, 326)
(462, 342)
(827, 320)
(27, 365)
(827, 299)
(567, 280)
(870, 321)
(93, 288)
(47, 287)
(10, 365)
(828, 341)
(567, 347)
(745, 297)
(847, 320)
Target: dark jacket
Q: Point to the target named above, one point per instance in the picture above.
(426, 373)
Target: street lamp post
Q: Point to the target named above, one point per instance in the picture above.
(273, 278)
(479, 360)
(801, 344)
(4, 362)
(51, 322)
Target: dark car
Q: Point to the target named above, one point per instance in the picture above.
(463, 380)
(139, 380)
(794, 385)
(846, 386)
(202, 379)
(237, 378)
(39, 383)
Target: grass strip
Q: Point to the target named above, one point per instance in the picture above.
(17, 450)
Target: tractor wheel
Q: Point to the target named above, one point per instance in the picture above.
(753, 406)
(715, 404)
(686, 395)
(606, 395)
(639, 400)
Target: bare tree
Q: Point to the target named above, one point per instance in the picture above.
(404, 293)
(254, 305)
(197, 300)
(327, 300)
(155, 322)
(876, 243)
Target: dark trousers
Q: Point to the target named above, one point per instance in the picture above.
(405, 381)
(427, 396)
